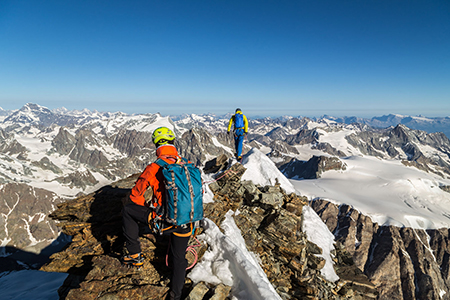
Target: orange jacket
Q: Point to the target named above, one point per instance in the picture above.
(152, 178)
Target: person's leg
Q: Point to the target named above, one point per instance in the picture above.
(131, 215)
(240, 141)
(236, 143)
(178, 247)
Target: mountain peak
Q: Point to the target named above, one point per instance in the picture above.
(30, 114)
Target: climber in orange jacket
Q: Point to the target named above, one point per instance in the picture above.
(140, 210)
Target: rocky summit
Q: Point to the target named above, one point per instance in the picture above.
(270, 222)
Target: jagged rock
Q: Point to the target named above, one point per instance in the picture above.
(221, 292)
(313, 168)
(397, 260)
(271, 231)
(284, 250)
(82, 154)
(278, 133)
(78, 179)
(215, 165)
(108, 279)
(196, 143)
(63, 142)
(23, 212)
(280, 146)
(384, 143)
(304, 136)
(46, 164)
(9, 145)
(327, 148)
(271, 200)
(133, 142)
(445, 188)
(198, 292)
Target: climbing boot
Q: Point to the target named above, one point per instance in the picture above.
(133, 260)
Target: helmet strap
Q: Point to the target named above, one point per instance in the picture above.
(163, 142)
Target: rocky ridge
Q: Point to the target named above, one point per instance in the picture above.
(88, 166)
(404, 263)
(270, 222)
(24, 211)
(123, 141)
(408, 145)
(313, 168)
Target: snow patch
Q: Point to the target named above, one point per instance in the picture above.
(318, 233)
(261, 170)
(228, 261)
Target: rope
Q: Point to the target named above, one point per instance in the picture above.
(229, 170)
(188, 249)
(192, 250)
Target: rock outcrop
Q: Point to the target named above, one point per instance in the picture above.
(46, 164)
(406, 144)
(9, 145)
(24, 219)
(403, 263)
(270, 222)
(312, 168)
(198, 144)
(80, 179)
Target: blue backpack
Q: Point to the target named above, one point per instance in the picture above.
(184, 192)
(238, 121)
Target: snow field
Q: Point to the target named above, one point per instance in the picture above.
(386, 190)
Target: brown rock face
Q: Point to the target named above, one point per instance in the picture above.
(271, 228)
(24, 218)
(403, 263)
(313, 168)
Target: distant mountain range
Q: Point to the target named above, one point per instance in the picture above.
(36, 114)
(429, 125)
(50, 156)
(58, 154)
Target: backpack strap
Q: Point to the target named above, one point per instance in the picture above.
(161, 162)
(191, 189)
(169, 184)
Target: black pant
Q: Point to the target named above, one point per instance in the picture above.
(131, 215)
(177, 255)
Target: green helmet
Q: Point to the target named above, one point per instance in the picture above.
(163, 135)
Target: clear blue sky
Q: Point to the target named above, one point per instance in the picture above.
(309, 58)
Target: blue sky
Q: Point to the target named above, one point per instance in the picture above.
(270, 58)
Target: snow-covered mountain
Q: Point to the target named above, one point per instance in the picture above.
(65, 153)
(437, 124)
(47, 157)
(380, 166)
